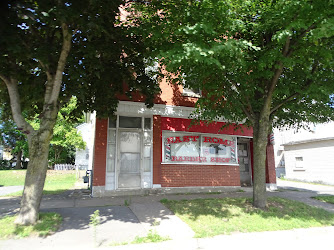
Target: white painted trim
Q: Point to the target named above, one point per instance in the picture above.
(271, 186)
(156, 186)
(140, 109)
(198, 163)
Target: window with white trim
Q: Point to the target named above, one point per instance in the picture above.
(182, 147)
(191, 92)
(299, 162)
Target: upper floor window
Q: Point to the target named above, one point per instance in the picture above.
(191, 92)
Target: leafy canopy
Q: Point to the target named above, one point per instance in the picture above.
(104, 55)
(247, 55)
(65, 138)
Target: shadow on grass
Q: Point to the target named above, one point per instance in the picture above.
(230, 208)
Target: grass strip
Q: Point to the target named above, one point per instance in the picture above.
(56, 181)
(47, 224)
(209, 217)
(325, 198)
(151, 237)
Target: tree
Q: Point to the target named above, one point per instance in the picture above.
(65, 138)
(64, 142)
(51, 50)
(266, 63)
(13, 139)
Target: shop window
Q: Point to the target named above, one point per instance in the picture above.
(299, 162)
(199, 148)
(112, 122)
(129, 122)
(191, 92)
(147, 123)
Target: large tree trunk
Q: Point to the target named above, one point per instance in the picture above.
(35, 177)
(260, 135)
(18, 160)
(39, 140)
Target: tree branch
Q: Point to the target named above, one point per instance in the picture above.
(4, 79)
(286, 52)
(312, 26)
(46, 69)
(286, 100)
(307, 85)
(248, 114)
(57, 81)
(15, 105)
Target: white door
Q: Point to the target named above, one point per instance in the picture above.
(244, 164)
(129, 158)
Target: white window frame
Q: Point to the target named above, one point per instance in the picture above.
(191, 93)
(142, 130)
(299, 163)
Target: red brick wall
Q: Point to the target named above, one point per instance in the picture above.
(157, 154)
(199, 175)
(270, 164)
(179, 175)
(172, 94)
(100, 152)
(181, 124)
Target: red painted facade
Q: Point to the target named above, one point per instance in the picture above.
(100, 152)
(199, 175)
(180, 175)
(179, 124)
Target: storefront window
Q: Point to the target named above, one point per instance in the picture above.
(130, 122)
(199, 148)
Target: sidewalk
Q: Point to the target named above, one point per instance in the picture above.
(122, 223)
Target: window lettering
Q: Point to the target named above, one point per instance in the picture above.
(194, 138)
(185, 138)
(186, 148)
(207, 139)
(218, 159)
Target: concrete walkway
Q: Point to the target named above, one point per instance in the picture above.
(120, 223)
(9, 190)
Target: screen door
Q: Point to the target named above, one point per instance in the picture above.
(129, 160)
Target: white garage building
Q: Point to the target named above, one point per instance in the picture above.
(307, 155)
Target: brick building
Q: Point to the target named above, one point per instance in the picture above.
(142, 150)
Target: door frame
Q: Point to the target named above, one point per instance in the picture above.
(250, 166)
(118, 156)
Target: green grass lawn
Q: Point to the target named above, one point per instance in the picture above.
(325, 198)
(209, 217)
(12, 177)
(46, 225)
(56, 181)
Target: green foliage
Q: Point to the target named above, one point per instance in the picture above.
(95, 220)
(47, 224)
(56, 181)
(152, 236)
(209, 217)
(246, 55)
(4, 164)
(65, 138)
(104, 55)
(11, 137)
(262, 63)
(12, 177)
(325, 198)
(127, 202)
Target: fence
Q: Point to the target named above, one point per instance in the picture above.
(64, 167)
